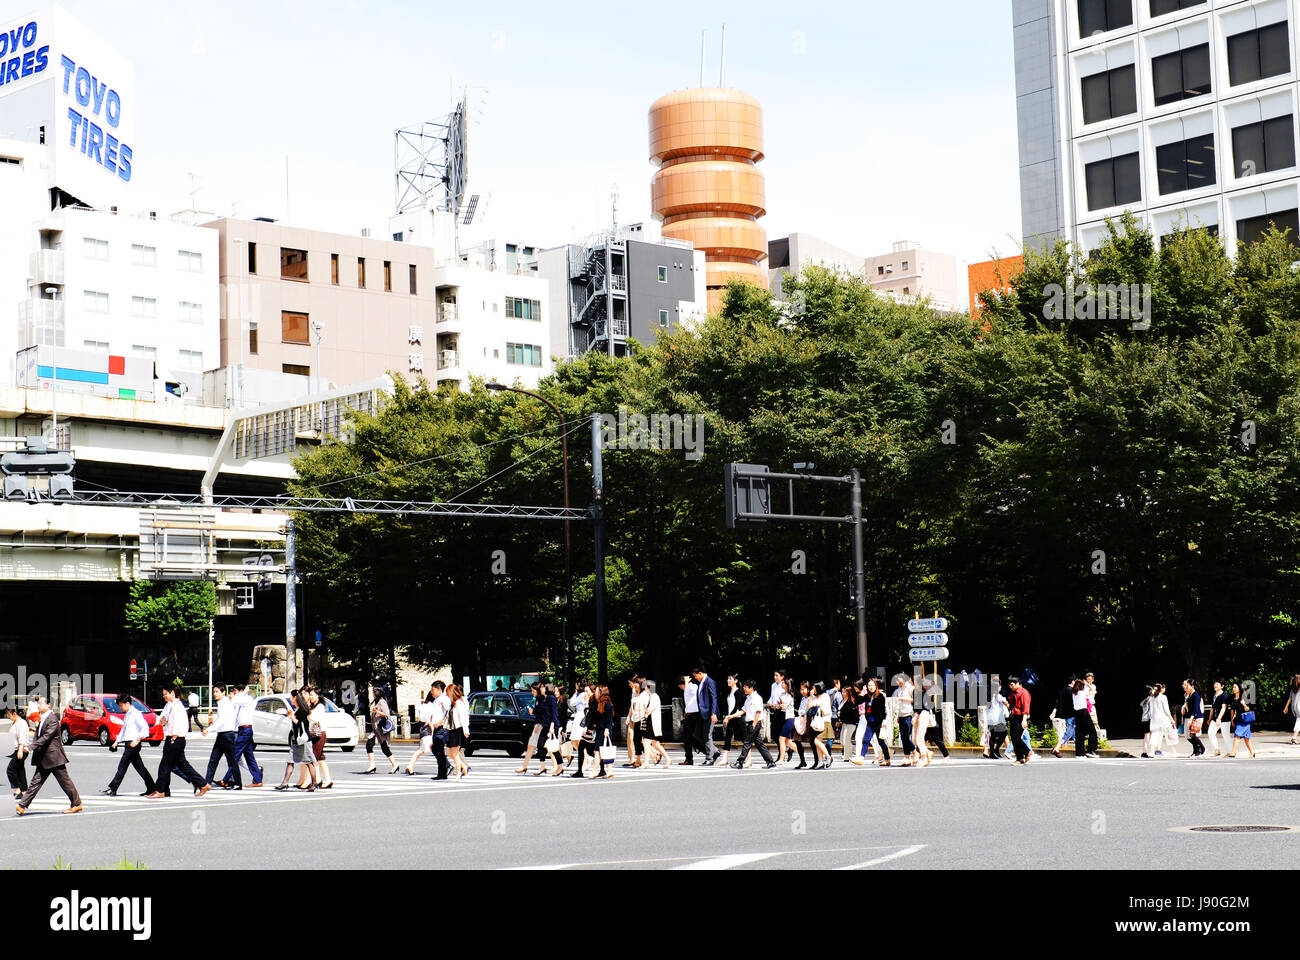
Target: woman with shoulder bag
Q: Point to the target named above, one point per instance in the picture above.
(1145, 705)
(300, 752)
(819, 726)
(1292, 706)
(577, 716)
(1162, 723)
(787, 735)
(597, 737)
(1242, 718)
(458, 733)
(316, 730)
(423, 716)
(733, 722)
(848, 719)
(653, 725)
(381, 728)
(1193, 713)
(550, 746)
(635, 714)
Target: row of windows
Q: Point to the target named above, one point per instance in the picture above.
(1103, 16)
(1249, 229)
(189, 261)
(187, 359)
(524, 354)
(1190, 164)
(96, 301)
(1184, 74)
(523, 309)
(293, 266)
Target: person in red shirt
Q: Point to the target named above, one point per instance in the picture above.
(1018, 719)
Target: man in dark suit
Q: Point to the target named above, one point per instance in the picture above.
(49, 760)
(707, 700)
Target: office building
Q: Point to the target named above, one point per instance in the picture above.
(992, 275)
(708, 190)
(800, 250)
(1181, 111)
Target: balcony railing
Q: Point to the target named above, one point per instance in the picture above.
(618, 283)
(448, 359)
(447, 312)
(40, 323)
(46, 266)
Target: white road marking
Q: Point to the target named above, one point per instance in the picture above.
(905, 852)
(727, 862)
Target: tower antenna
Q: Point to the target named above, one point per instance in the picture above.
(703, 38)
(722, 65)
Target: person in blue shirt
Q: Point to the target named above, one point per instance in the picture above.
(130, 738)
(1193, 716)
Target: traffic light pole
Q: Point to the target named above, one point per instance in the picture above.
(290, 607)
(598, 517)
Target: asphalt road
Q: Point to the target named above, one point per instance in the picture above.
(1068, 813)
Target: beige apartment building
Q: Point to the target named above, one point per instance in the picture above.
(329, 308)
(909, 272)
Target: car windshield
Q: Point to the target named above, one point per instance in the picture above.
(112, 706)
(525, 700)
(328, 704)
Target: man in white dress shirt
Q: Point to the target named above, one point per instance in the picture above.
(244, 706)
(176, 723)
(131, 739)
(440, 723)
(753, 729)
(690, 718)
(223, 729)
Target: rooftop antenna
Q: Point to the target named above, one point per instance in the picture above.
(703, 37)
(722, 64)
(614, 215)
(194, 190)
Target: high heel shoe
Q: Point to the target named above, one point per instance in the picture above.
(396, 767)
(371, 770)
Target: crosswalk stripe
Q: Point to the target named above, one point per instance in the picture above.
(898, 855)
(727, 862)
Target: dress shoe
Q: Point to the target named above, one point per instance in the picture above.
(252, 785)
(157, 796)
(769, 766)
(73, 809)
(231, 786)
(109, 792)
(146, 793)
(685, 763)
(20, 810)
(709, 763)
(202, 790)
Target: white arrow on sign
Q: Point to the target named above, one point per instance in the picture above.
(925, 626)
(927, 639)
(927, 654)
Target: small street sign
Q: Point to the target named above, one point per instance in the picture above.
(926, 626)
(132, 669)
(927, 654)
(927, 639)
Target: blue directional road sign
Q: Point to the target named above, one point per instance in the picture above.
(927, 639)
(926, 626)
(927, 654)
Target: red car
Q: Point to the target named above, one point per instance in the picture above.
(98, 716)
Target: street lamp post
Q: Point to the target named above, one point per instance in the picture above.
(568, 542)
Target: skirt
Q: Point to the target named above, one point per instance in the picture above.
(787, 729)
(302, 753)
(318, 747)
(456, 738)
(1242, 730)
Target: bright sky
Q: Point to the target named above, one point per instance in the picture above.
(884, 120)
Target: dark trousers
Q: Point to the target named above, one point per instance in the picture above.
(39, 778)
(736, 731)
(17, 774)
(1085, 733)
(1017, 733)
(224, 747)
(905, 735)
(704, 737)
(997, 737)
(131, 759)
(173, 761)
(244, 751)
(754, 740)
(438, 744)
(638, 738)
(690, 734)
(935, 735)
(585, 748)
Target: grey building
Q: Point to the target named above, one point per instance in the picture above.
(615, 287)
(1182, 112)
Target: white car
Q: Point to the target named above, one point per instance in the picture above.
(271, 724)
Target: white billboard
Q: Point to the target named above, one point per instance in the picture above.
(60, 81)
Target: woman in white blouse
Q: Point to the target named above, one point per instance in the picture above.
(636, 712)
(459, 732)
(20, 739)
(1162, 722)
(653, 725)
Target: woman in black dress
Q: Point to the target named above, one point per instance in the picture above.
(599, 725)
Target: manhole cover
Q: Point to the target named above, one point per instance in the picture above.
(1239, 829)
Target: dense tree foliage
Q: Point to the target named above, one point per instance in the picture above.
(1080, 490)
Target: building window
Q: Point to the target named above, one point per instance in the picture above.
(663, 318)
(142, 256)
(144, 353)
(191, 360)
(1114, 182)
(523, 309)
(1257, 54)
(880, 271)
(906, 292)
(1102, 16)
(524, 354)
(1261, 147)
(297, 369)
(252, 258)
(1212, 230)
(906, 265)
(94, 249)
(189, 261)
(388, 276)
(361, 272)
(410, 278)
(334, 269)
(1181, 75)
(294, 327)
(663, 274)
(1110, 94)
(95, 302)
(144, 307)
(1186, 165)
(1160, 7)
(189, 312)
(1251, 229)
(293, 264)
(252, 337)
(98, 346)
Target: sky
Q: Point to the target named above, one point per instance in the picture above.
(883, 121)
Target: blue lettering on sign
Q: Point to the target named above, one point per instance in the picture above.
(100, 101)
(19, 56)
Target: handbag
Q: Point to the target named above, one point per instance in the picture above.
(818, 723)
(800, 725)
(386, 726)
(552, 744)
(608, 752)
(1194, 726)
(1248, 716)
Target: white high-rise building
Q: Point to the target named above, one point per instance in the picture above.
(1181, 111)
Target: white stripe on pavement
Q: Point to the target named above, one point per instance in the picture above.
(728, 862)
(905, 852)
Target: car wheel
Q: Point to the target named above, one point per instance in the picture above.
(515, 750)
(66, 736)
(468, 751)
(104, 738)
(348, 749)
